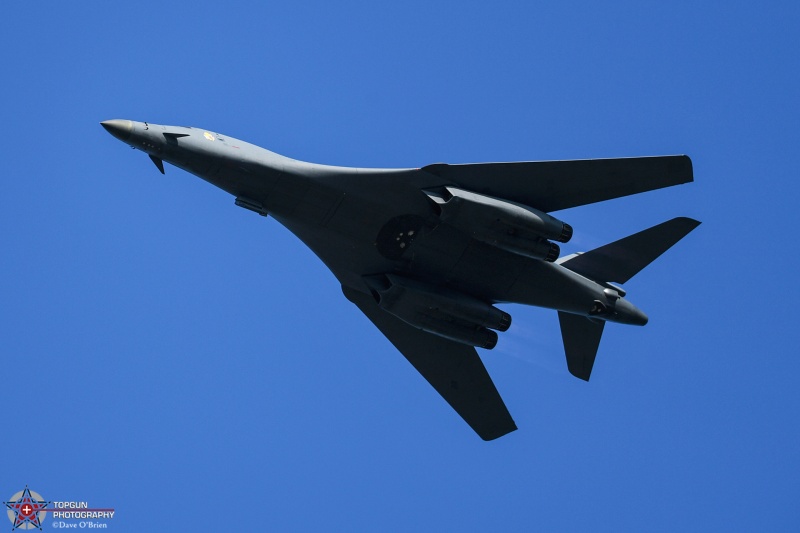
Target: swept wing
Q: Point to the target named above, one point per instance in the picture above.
(553, 185)
(455, 370)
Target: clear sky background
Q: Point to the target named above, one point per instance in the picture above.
(196, 367)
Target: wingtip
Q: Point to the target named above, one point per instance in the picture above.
(685, 167)
(580, 374)
(494, 435)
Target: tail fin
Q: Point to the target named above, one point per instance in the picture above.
(618, 261)
(581, 339)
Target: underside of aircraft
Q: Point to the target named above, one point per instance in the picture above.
(427, 253)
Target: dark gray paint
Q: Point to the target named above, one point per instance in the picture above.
(426, 275)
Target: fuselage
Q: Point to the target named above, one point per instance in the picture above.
(366, 222)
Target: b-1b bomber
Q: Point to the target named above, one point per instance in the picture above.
(427, 253)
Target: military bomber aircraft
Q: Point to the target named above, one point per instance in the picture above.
(426, 253)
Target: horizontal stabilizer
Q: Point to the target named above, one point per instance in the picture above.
(581, 339)
(620, 260)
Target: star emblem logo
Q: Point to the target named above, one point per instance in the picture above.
(26, 509)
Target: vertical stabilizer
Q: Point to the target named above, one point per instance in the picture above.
(618, 262)
(581, 339)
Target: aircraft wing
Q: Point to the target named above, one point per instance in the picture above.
(553, 185)
(455, 370)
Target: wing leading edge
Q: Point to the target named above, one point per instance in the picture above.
(454, 370)
(554, 185)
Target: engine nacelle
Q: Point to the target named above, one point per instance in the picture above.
(440, 311)
(479, 337)
(508, 225)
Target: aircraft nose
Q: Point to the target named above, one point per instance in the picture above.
(121, 129)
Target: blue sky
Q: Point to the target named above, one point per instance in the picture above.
(159, 343)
